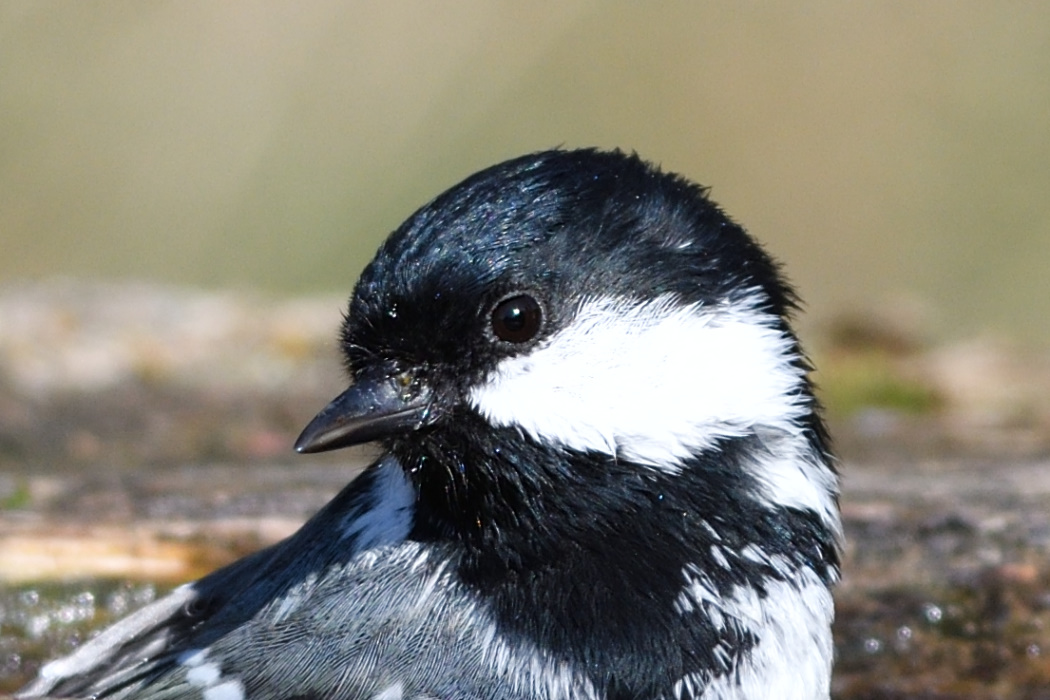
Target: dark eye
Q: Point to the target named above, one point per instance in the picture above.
(517, 319)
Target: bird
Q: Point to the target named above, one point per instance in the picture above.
(604, 474)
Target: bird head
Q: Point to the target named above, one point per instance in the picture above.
(562, 331)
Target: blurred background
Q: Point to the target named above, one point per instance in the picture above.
(896, 156)
(188, 191)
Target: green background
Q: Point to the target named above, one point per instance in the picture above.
(895, 155)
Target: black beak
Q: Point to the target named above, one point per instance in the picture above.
(374, 407)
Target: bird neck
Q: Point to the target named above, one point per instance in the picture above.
(567, 548)
(511, 503)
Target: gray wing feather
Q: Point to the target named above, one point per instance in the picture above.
(338, 610)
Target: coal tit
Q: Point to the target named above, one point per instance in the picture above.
(605, 474)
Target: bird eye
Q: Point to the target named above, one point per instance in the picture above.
(517, 319)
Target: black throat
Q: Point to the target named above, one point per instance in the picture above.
(585, 554)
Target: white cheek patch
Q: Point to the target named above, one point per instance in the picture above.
(651, 382)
